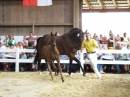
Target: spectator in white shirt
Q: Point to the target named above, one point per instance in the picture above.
(2, 47)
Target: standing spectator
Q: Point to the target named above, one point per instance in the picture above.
(125, 37)
(111, 41)
(90, 45)
(6, 39)
(99, 55)
(31, 38)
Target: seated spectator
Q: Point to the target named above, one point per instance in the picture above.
(6, 40)
(11, 41)
(65, 57)
(2, 65)
(25, 42)
(22, 54)
(32, 55)
(128, 58)
(11, 66)
(120, 57)
(104, 40)
(98, 40)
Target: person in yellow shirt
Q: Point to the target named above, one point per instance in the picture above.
(90, 45)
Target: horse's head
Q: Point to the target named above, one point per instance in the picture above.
(53, 40)
(77, 36)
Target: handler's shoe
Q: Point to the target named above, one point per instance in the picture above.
(102, 72)
(99, 77)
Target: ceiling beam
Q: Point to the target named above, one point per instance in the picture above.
(128, 1)
(114, 2)
(101, 4)
(88, 4)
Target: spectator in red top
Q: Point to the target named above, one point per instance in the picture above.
(104, 40)
(31, 38)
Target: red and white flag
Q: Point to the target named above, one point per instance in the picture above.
(37, 2)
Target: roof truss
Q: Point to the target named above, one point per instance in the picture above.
(88, 4)
(101, 4)
(128, 1)
(114, 2)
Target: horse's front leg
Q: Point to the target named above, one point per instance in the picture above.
(49, 68)
(79, 63)
(59, 67)
(70, 66)
(53, 65)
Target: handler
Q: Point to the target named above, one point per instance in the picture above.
(90, 45)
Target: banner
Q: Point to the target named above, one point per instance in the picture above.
(37, 2)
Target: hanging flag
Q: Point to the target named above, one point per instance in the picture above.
(37, 2)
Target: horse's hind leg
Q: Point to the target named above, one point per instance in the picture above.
(59, 67)
(53, 65)
(39, 69)
(48, 65)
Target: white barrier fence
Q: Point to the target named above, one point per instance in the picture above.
(16, 60)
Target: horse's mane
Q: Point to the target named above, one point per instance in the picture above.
(73, 38)
(74, 31)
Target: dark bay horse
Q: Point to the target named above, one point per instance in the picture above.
(67, 44)
(50, 53)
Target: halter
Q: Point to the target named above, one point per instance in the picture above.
(76, 41)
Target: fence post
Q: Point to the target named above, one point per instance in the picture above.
(81, 61)
(17, 60)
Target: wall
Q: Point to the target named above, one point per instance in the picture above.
(20, 20)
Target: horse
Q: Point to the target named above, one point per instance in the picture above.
(67, 44)
(50, 53)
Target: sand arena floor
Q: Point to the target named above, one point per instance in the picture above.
(30, 84)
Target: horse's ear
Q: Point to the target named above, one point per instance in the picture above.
(56, 34)
(86, 31)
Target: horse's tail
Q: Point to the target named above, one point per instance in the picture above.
(36, 50)
(37, 43)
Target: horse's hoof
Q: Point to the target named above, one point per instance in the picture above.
(70, 75)
(39, 73)
(62, 81)
(84, 74)
(53, 78)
